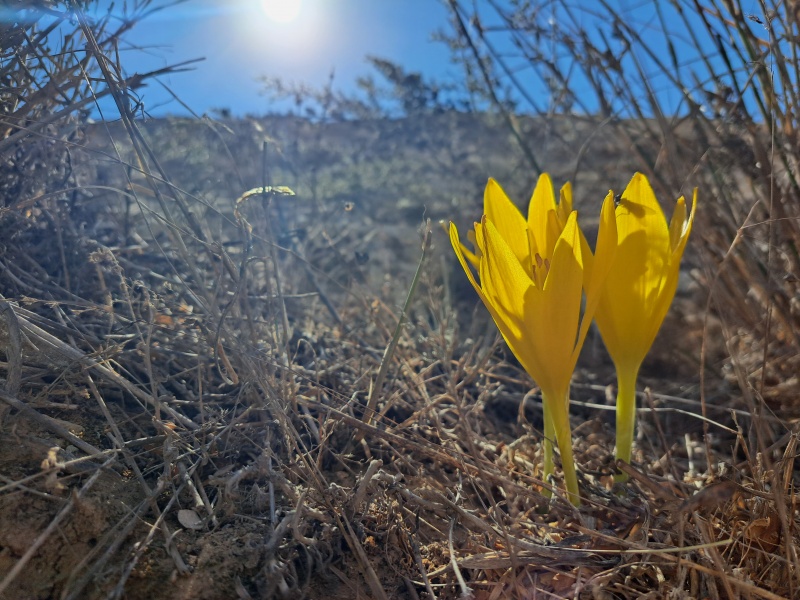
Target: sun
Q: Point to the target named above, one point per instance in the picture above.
(281, 11)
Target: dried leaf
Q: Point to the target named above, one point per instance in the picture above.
(190, 519)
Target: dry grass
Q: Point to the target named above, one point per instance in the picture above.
(189, 376)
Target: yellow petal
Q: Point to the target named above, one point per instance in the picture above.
(455, 241)
(557, 312)
(598, 266)
(659, 307)
(551, 229)
(685, 228)
(510, 331)
(505, 283)
(507, 219)
(670, 282)
(640, 193)
(472, 257)
(607, 236)
(543, 202)
(565, 203)
(677, 223)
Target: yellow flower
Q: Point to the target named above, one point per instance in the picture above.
(532, 277)
(546, 220)
(639, 290)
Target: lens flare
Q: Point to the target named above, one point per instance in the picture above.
(281, 11)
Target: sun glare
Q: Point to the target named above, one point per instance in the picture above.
(281, 11)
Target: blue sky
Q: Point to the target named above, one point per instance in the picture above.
(240, 44)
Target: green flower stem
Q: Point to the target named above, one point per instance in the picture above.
(549, 436)
(626, 413)
(559, 421)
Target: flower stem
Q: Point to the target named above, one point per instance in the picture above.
(626, 413)
(549, 436)
(559, 422)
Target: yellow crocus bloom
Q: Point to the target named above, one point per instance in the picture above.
(546, 220)
(533, 274)
(639, 290)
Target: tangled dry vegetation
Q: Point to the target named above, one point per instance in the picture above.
(189, 370)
